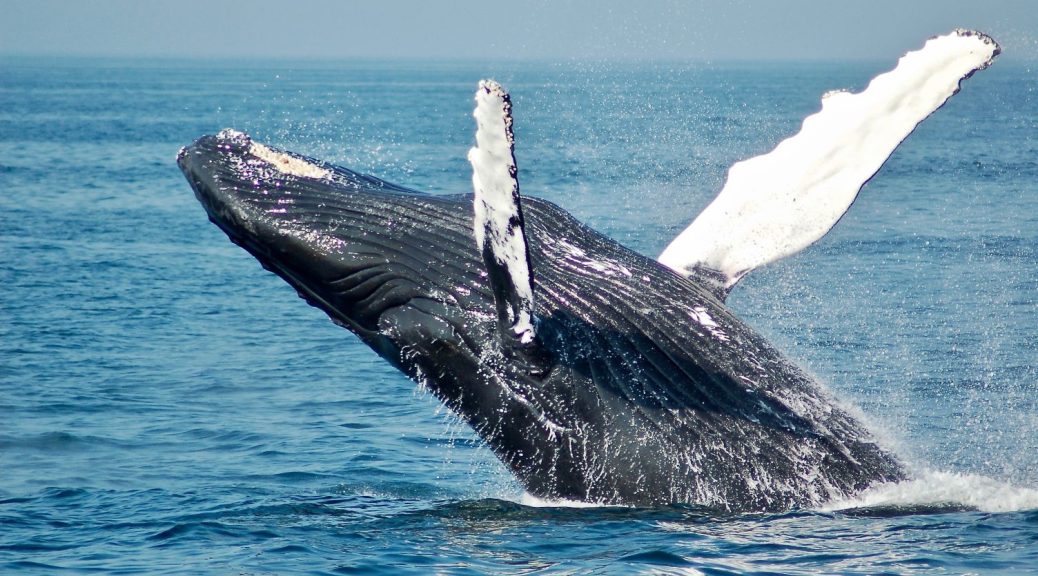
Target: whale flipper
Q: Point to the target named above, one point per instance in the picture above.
(498, 215)
(777, 204)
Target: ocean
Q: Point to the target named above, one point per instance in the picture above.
(169, 407)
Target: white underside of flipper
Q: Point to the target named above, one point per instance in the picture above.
(498, 221)
(779, 203)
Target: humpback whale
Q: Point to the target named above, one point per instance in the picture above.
(593, 372)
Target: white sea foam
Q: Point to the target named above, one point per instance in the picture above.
(936, 488)
(528, 499)
(931, 488)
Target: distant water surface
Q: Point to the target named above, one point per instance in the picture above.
(166, 406)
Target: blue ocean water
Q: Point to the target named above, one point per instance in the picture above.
(166, 406)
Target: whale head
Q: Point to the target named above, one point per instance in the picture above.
(355, 246)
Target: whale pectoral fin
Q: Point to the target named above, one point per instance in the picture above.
(777, 204)
(498, 222)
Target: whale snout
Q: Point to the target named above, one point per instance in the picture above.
(244, 186)
(352, 245)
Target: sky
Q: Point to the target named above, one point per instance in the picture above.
(711, 30)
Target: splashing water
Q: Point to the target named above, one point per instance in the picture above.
(944, 489)
(168, 407)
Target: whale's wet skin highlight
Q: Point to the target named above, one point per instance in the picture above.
(168, 406)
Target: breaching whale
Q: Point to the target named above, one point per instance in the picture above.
(593, 372)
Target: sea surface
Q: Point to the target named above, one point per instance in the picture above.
(168, 407)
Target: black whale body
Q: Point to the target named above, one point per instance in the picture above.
(645, 389)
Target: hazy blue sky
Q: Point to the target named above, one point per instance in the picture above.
(607, 29)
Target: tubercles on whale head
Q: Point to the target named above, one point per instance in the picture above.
(288, 164)
(283, 163)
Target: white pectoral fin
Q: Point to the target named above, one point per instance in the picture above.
(779, 203)
(498, 222)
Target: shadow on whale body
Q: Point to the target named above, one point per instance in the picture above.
(645, 390)
(594, 373)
